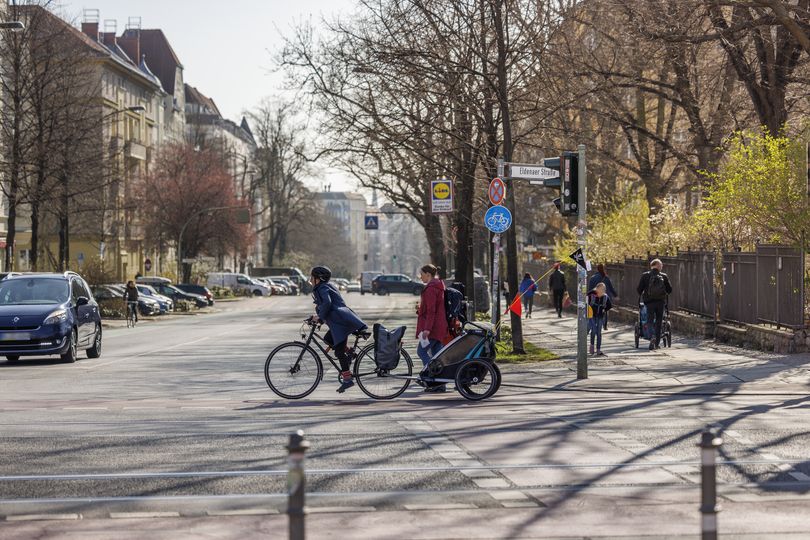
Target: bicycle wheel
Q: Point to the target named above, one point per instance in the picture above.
(293, 370)
(381, 384)
(476, 380)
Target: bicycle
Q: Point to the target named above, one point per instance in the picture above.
(294, 369)
(132, 315)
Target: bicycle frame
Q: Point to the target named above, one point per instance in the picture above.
(318, 340)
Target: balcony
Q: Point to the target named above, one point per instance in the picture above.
(135, 150)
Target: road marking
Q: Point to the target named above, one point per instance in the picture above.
(338, 509)
(143, 515)
(44, 517)
(446, 506)
(243, 512)
(85, 408)
(508, 495)
(519, 504)
(781, 467)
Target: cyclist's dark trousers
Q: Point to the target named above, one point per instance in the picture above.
(134, 307)
(655, 311)
(340, 351)
(558, 299)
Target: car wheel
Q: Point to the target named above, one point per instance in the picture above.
(257, 292)
(417, 291)
(72, 352)
(382, 292)
(95, 350)
(13, 357)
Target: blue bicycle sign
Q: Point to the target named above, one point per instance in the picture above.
(498, 219)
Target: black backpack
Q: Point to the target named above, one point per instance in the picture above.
(656, 287)
(454, 306)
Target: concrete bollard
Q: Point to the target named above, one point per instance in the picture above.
(296, 484)
(710, 441)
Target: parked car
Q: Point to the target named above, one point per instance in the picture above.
(164, 302)
(353, 286)
(164, 286)
(197, 289)
(237, 282)
(290, 284)
(291, 272)
(395, 283)
(4, 275)
(48, 314)
(277, 286)
(366, 278)
(146, 306)
(341, 283)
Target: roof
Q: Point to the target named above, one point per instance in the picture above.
(194, 96)
(338, 196)
(159, 53)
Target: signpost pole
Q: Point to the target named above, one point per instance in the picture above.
(582, 274)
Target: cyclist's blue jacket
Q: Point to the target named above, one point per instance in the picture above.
(331, 309)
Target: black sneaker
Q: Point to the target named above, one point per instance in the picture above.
(436, 389)
(652, 346)
(345, 385)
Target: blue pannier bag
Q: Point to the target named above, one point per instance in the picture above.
(387, 344)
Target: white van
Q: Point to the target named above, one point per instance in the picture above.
(237, 282)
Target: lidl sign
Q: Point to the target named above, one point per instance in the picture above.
(441, 196)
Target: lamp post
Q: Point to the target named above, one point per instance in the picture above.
(186, 224)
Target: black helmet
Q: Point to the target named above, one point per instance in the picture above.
(321, 272)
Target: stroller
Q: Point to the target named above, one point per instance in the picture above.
(468, 361)
(644, 326)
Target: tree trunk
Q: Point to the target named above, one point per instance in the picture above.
(34, 257)
(64, 226)
(435, 239)
(511, 235)
(465, 235)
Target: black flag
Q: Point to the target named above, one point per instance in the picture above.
(579, 258)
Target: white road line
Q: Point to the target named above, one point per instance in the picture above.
(338, 509)
(447, 506)
(244, 512)
(143, 515)
(44, 517)
(782, 467)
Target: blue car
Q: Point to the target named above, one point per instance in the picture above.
(48, 314)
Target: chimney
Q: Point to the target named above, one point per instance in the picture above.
(130, 42)
(90, 23)
(110, 30)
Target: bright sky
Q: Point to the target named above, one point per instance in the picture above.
(227, 47)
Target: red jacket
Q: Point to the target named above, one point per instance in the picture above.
(431, 311)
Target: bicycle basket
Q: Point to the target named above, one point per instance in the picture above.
(386, 346)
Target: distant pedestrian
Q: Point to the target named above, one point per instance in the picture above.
(431, 324)
(654, 287)
(598, 306)
(527, 289)
(556, 284)
(601, 277)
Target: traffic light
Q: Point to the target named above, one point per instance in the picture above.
(567, 183)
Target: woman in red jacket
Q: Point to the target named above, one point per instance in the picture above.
(431, 326)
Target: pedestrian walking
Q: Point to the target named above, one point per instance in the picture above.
(556, 284)
(527, 289)
(654, 287)
(601, 277)
(598, 306)
(431, 323)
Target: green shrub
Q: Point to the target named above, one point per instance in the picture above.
(112, 308)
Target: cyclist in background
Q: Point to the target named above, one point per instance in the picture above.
(342, 321)
(131, 299)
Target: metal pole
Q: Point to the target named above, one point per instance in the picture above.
(496, 266)
(582, 274)
(710, 441)
(296, 484)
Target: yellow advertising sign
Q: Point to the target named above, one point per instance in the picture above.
(441, 196)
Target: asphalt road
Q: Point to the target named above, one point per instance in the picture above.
(175, 419)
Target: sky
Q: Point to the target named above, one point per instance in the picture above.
(227, 48)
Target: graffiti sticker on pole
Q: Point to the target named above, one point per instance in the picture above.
(497, 191)
(441, 196)
(498, 219)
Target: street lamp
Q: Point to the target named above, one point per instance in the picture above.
(188, 221)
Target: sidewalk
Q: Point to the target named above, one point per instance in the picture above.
(690, 362)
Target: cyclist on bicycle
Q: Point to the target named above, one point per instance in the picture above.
(131, 299)
(342, 321)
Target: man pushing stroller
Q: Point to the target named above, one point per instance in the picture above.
(654, 287)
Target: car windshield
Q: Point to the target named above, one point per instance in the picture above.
(146, 289)
(34, 291)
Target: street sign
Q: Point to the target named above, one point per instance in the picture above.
(372, 222)
(189, 261)
(532, 172)
(147, 264)
(441, 196)
(497, 191)
(498, 219)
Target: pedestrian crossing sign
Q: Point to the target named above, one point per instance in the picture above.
(372, 222)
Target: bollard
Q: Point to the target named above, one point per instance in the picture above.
(296, 483)
(710, 441)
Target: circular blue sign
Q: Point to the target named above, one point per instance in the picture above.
(498, 219)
